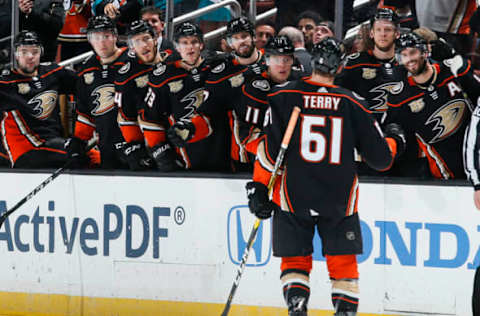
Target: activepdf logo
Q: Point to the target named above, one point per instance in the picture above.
(239, 227)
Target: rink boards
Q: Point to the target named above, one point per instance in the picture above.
(130, 245)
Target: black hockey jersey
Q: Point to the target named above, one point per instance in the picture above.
(437, 115)
(319, 173)
(29, 107)
(96, 110)
(371, 78)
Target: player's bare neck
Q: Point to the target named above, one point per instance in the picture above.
(322, 79)
(188, 66)
(250, 60)
(426, 75)
(383, 55)
(26, 74)
(109, 60)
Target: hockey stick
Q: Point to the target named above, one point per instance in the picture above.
(283, 148)
(55, 174)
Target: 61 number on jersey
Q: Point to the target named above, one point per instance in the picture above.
(314, 144)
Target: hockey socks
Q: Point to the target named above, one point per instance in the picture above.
(345, 297)
(296, 291)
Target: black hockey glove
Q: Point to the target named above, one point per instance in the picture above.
(137, 156)
(214, 59)
(180, 133)
(441, 50)
(395, 131)
(76, 151)
(258, 201)
(166, 158)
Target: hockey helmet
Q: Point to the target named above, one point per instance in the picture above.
(279, 45)
(101, 23)
(140, 26)
(187, 29)
(327, 55)
(408, 40)
(386, 15)
(241, 24)
(27, 38)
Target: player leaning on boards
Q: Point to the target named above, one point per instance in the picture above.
(333, 122)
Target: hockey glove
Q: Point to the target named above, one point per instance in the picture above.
(214, 59)
(395, 131)
(75, 148)
(258, 201)
(137, 156)
(180, 133)
(166, 158)
(441, 50)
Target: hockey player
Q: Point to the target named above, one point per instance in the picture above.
(175, 92)
(31, 125)
(131, 87)
(430, 103)
(333, 121)
(95, 94)
(371, 73)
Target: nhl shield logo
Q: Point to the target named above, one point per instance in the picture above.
(416, 105)
(23, 88)
(369, 73)
(88, 77)
(236, 81)
(142, 81)
(175, 86)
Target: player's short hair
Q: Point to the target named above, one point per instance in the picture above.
(427, 34)
(294, 34)
(309, 14)
(265, 22)
(153, 10)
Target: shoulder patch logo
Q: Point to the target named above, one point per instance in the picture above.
(142, 81)
(23, 88)
(353, 56)
(159, 70)
(175, 86)
(131, 53)
(219, 68)
(281, 85)
(237, 81)
(369, 73)
(5, 72)
(88, 77)
(261, 85)
(322, 90)
(44, 104)
(417, 105)
(125, 68)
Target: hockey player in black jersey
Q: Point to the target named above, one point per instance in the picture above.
(333, 121)
(31, 126)
(131, 87)
(430, 103)
(95, 92)
(175, 91)
(371, 73)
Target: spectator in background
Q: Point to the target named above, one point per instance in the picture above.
(73, 36)
(154, 16)
(324, 29)
(46, 19)
(307, 22)
(264, 30)
(300, 54)
(428, 35)
(405, 11)
(122, 11)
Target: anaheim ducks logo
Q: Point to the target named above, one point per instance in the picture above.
(194, 99)
(104, 99)
(44, 104)
(447, 119)
(379, 103)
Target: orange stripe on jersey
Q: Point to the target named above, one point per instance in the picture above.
(203, 128)
(131, 133)
(17, 80)
(226, 77)
(260, 174)
(405, 101)
(87, 70)
(167, 80)
(133, 76)
(284, 191)
(51, 72)
(353, 198)
(438, 167)
(459, 75)
(361, 65)
(251, 96)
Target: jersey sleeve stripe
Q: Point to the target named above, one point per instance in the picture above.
(406, 100)
(51, 72)
(166, 81)
(121, 83)
(252, 97)
(226, 77)
(453, 77)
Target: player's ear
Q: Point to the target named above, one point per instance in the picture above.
(371, 33)
(202, 46)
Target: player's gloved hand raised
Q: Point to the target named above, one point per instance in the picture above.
(76, 151)
(258, 201)
(441, 50)
(180, 133)
(395, 131)
(137, 156)
(214, 59)
(166, 158)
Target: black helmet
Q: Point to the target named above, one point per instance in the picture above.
(140, 26)
(327, 55)
(241, 24)
(385, 14)
(187, 29)
(279, 45)
(27, 38)
(101, 23)
(410, 40)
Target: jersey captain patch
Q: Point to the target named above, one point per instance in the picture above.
(44, 104)
(104, 99)
(447, 119)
